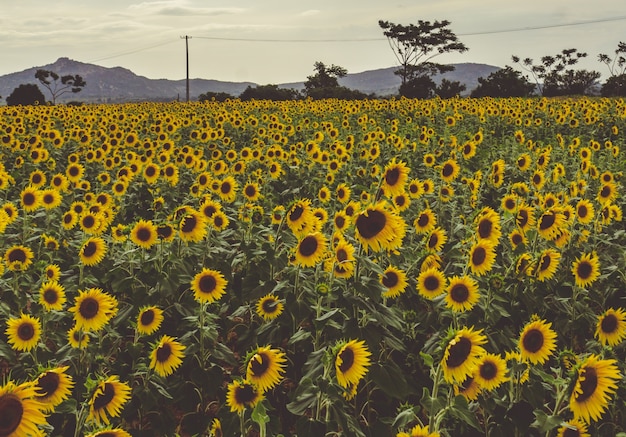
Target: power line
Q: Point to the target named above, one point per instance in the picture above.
(486, 32)
(130, 52)
(357, 40)
(551, 26)
(289, 40)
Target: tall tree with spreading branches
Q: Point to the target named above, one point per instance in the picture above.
(415, 45)
(615, 86)
(69, 83)
(555, 75)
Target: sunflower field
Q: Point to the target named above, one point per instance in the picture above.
(314, 268)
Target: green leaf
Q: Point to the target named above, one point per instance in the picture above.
(298, 336)
(546, 423)
(259, 414)
(306, 396)
(462, 412)
(389, 378)
(427, 358)
(328, 315)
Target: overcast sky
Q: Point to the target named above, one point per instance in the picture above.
(230, 38)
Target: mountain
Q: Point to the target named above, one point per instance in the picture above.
(117, 84)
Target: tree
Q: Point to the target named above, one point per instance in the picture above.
(268, 92)
(217, 96)
(420, 87)
(26, 94)
(326, 77)
(448, 89)
(615, 86)
(555, 77)
(50, 80)
(617, 65)
(324, 84)
(505, 82)
(415, 45)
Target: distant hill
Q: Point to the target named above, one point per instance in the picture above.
(117, 84)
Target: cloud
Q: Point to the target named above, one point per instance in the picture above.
(180, 8)
(310, 12)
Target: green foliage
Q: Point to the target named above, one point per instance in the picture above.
(26, 94)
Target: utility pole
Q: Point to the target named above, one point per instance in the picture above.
(187, 61)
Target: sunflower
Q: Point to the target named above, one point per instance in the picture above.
(108, 399)
(265, 368)
(525, 218)
(450, 170)
(324, 194)
(419, 431)
(482, 256)
(436, 240)
(584, 211)
(251, 191)
(77, 338)
(53, 387)
(166, 356)
(242, 394)
(431, 283)
(573, 428)
(343, 193)
(425, 221)
(311, 249)
(343, 263)
(596, 380)
(208, 286)
(112, 432)
(351, 362)
(192, 226)
(341, 220)
(92, 251)
(93, 308)
(23, 333)
(469, 389)
(21, 412)
(462, 354)
(30, 198)
(378, 228)
(586, 269)
(537, 342)
(394, 282)
(269, 307)
(219, 221)
(488, 225)
(415, 189)
(216, 429)
(50, 198)
(149, 320)
(509, 203)
(90, 222)
(52, 295)
(395, 177)
(607, 193)
(52, 272)
(300, 218)
(491, 372)
(144, 234)
(74, 172)
(461, 293)
(517, 238)
(547, 264)
(551, 223)
(611, 327)
(227, 189)
(18, 258)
